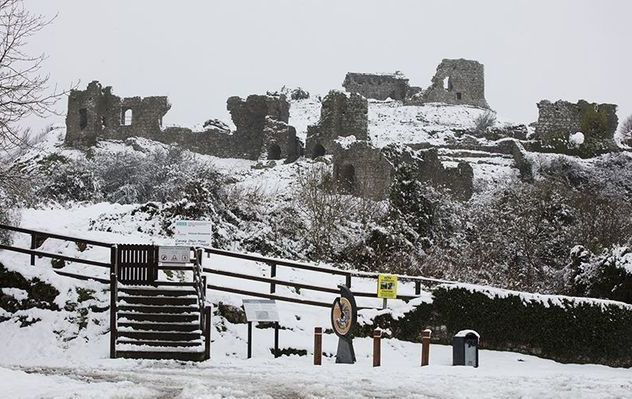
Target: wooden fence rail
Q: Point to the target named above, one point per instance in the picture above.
(273, 263)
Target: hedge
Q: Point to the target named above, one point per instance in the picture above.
(564, 329)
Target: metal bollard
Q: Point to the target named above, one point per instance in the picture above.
(318, 346)
(425, 347)
(377, 348)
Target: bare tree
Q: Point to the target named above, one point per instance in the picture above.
(24, 89)
(626, 131)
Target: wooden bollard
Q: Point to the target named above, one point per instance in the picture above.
(318, 346)
(425, 347)
(377, 348)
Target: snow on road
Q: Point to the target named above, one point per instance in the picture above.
(501, 375)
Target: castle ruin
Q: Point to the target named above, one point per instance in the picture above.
(261, 121)
(359, 167)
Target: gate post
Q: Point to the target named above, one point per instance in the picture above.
(113, 299)
(207, 332)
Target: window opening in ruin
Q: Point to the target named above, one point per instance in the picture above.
(446, 83)
(319, 151)
(274, 152)
(83, 118)
(458, 96)
(126, 119)
(346, 179)
(103, 124)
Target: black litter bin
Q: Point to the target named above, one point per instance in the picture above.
(465, 348)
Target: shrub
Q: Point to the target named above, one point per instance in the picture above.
(484, 122)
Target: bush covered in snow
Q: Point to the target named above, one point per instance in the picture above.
(560, 328)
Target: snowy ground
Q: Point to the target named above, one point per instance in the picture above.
(501, 375)
(54, 359)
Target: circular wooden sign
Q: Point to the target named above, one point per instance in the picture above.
(342, 316)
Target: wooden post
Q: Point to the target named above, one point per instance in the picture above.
(417, 287)
(425, 347)
(377, 348)
(318, 346)
(384, 303)
(348, 281)
(273, 268)
(249, 339)
(276, 339)
(207, 332)
(33, 246)
(113, 300)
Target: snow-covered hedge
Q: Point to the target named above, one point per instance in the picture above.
(566, 329)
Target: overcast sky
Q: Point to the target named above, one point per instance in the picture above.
(201, 52)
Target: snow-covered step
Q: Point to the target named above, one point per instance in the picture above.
(158, 300)
(156, 291)
(159, 335)
(135, 342)
(134, 353)
(158, 317)
(158, 309)
(151, 326)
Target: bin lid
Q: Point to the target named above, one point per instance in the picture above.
(464, 333)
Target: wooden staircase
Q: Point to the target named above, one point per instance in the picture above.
(154, 319)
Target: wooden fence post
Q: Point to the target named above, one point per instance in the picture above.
(33, 246)
(273, 270)
(377, 348)
(318, 346)
(417, 287)
(207, 332)
(113, 300)
(425, 347)
(348, 280)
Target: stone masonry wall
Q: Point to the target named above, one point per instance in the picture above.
(559, 120)
(341, 115)
(261, 121)
(377, 86)
(457, 82)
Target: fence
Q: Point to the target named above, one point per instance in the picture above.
(145, 254)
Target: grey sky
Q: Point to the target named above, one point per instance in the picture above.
(201, 52)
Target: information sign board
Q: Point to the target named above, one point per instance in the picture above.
(193, 233)
(174, 254)
(387, 286)
(261, 310)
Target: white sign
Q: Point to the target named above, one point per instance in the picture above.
(174, 254)
(193, 233)
(261, 310)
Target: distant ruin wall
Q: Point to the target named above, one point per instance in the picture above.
(457, 81)
(558, 121)
(341, 115)
(377, 86)
(261, 121)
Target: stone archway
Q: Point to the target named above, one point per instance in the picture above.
(274, 152)
(347, 179)
(318, 151)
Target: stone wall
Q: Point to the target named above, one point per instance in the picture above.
(341, 115)
(365, 171)
(457, 82)
(377, 86)
(559, 120)
(261, 121)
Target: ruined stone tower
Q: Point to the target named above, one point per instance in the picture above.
(458, 82)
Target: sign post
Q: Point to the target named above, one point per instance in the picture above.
(262, 310)
(386, 287)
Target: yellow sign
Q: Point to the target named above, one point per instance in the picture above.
(387, 286)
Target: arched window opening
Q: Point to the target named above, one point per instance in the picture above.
(347, 179)
(83, 118)
(103, 123)
(446, 83)
(274, 152)
(126, 117)
(318, 151)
